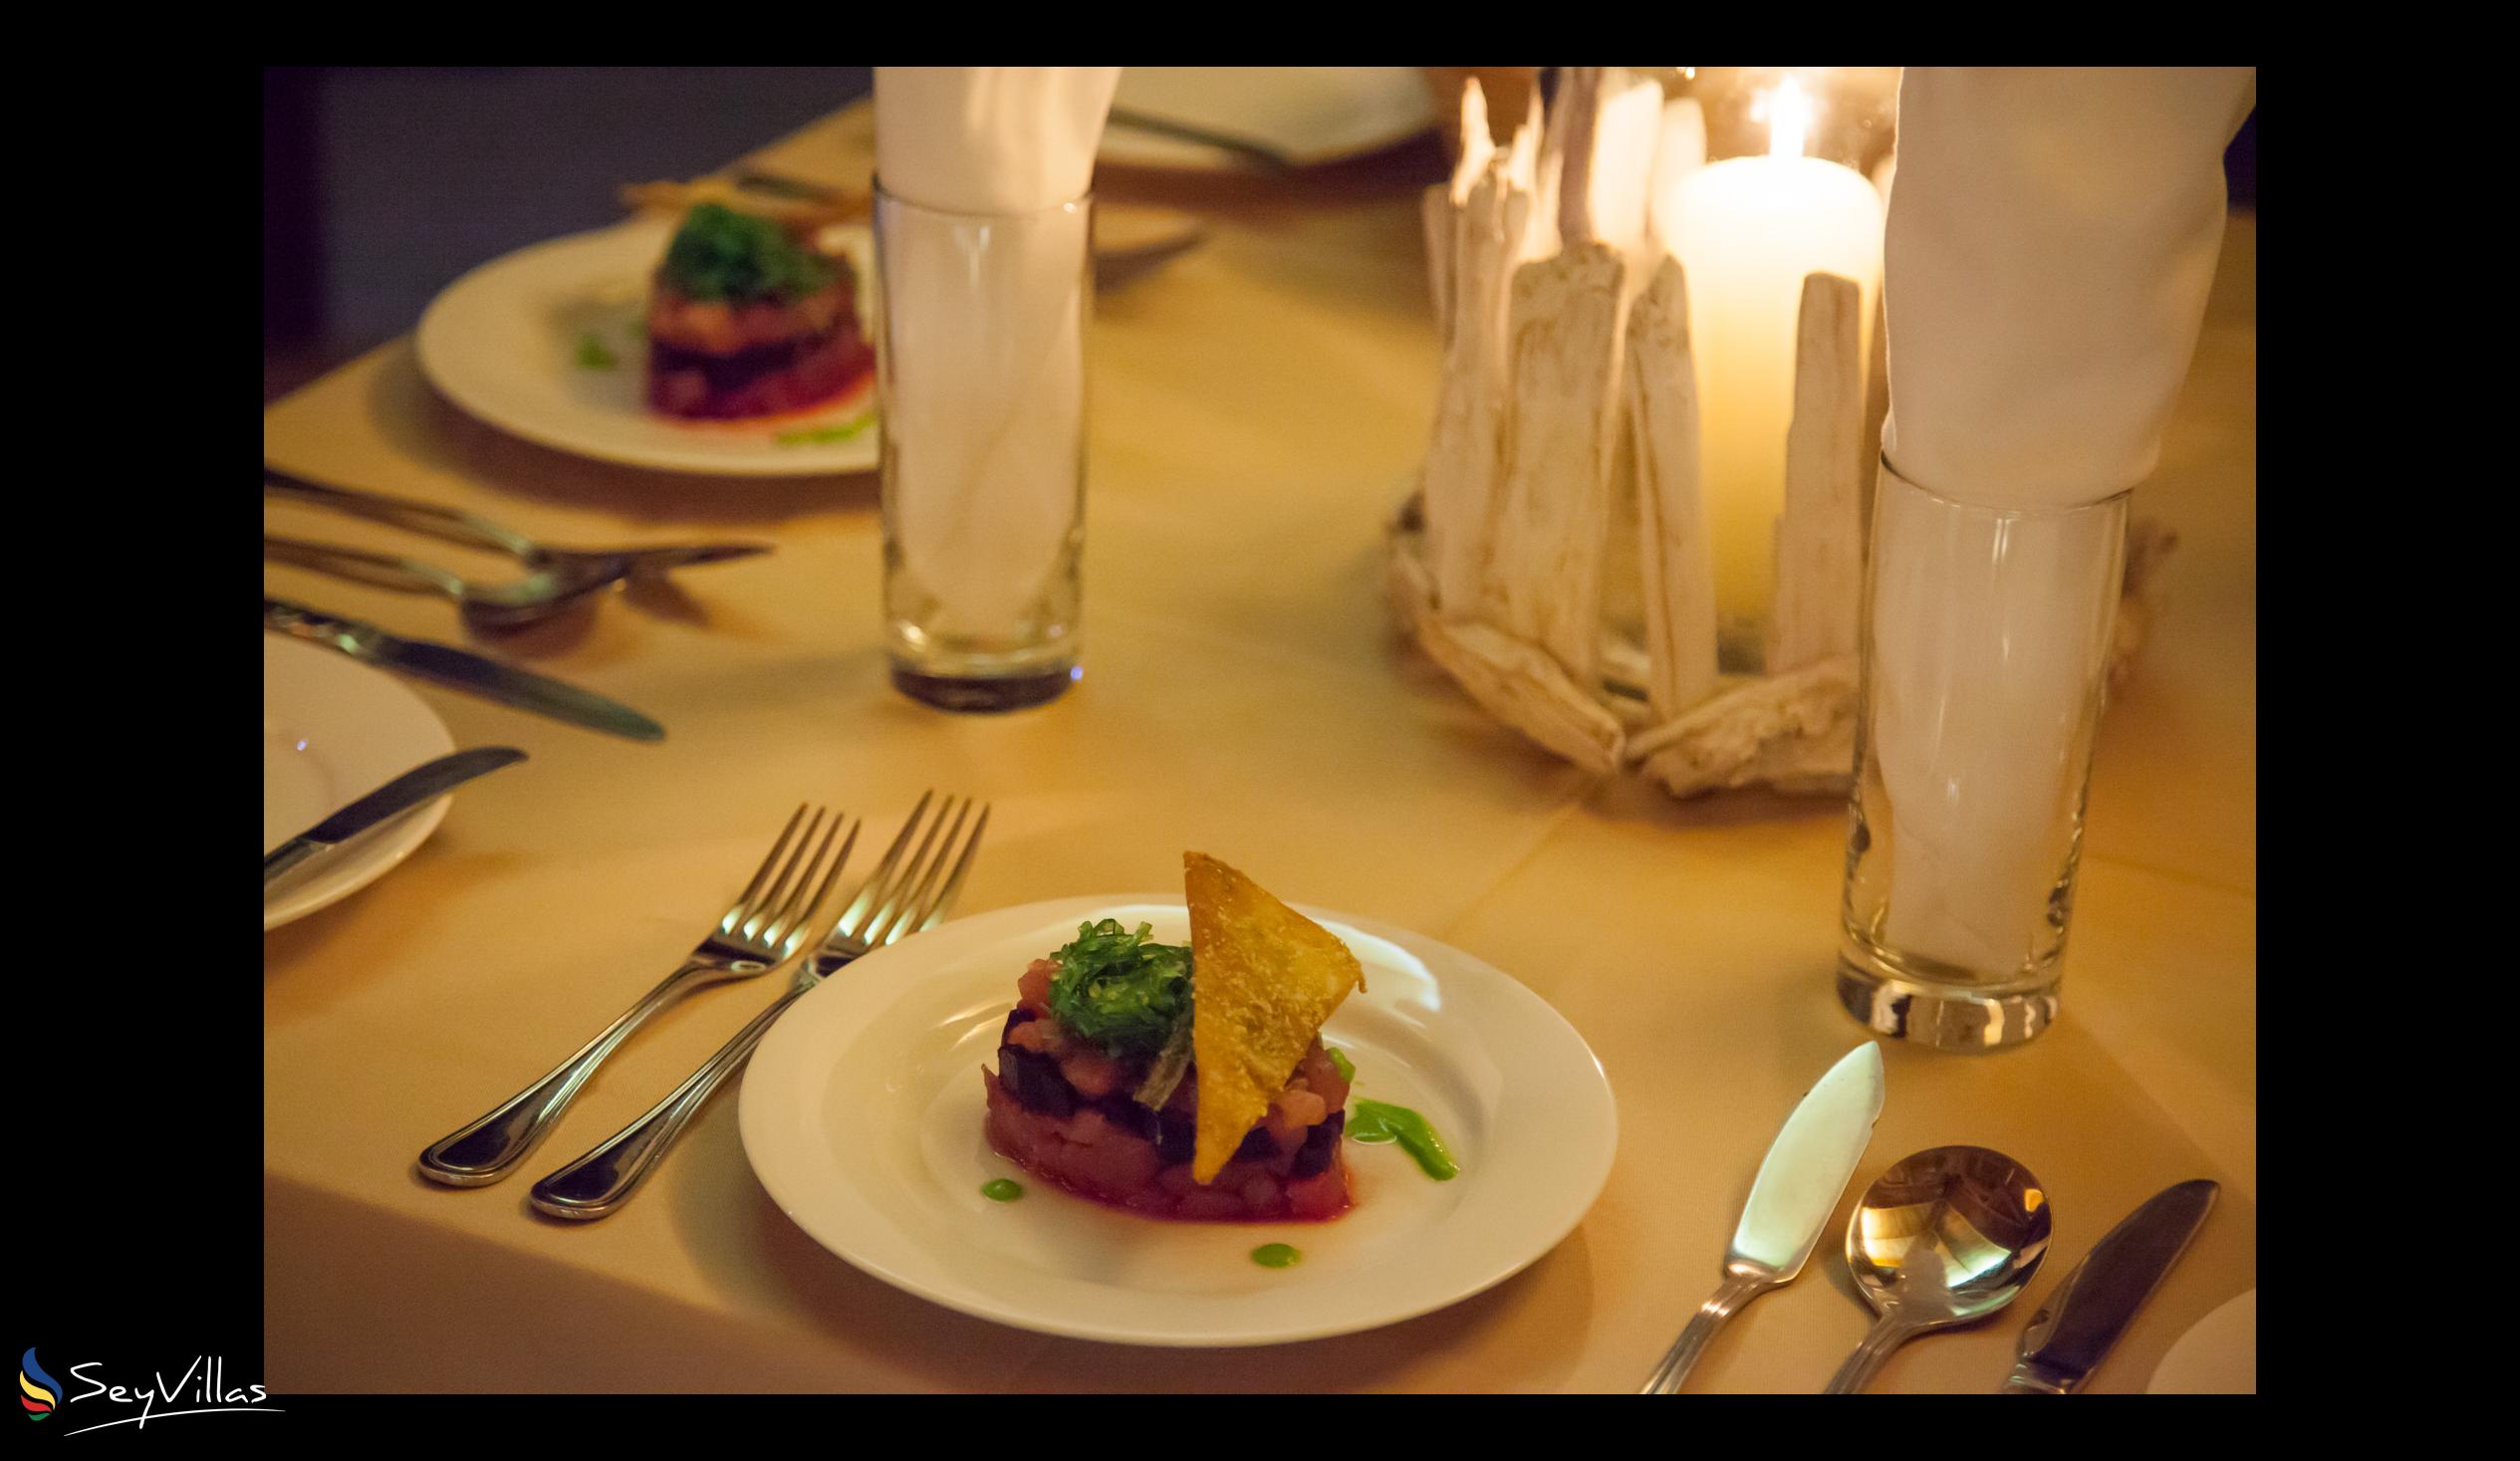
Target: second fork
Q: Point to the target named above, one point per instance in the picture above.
(900, 898)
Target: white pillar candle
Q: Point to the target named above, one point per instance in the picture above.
(1747, 230)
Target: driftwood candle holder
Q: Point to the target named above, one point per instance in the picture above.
(1567, 419)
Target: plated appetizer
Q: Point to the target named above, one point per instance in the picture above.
(1184, 1082)
(747, 318)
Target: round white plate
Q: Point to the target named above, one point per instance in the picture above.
(503, 343)
(2216, 1357)
(861, 1113)
(335, 730)
(1311, 114)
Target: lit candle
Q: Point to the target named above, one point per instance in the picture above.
(1747, 230)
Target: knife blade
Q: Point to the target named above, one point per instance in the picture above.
(458, 669)
(1800, 1181)
(2076, 1328)
(422, 783)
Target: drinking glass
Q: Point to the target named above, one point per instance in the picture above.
(981, 378)
(1985, 650)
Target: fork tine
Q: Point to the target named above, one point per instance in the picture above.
(772, 917)
(905, 909)
(892, 895)
(795, 911)
(735, 911)
(805, 920)
(755, 917)
(936, 911)
(847, 923)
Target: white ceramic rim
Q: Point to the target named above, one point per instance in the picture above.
(379, 851)
(1536, 1149)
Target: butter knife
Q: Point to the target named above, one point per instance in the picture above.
(1798, 1187)
(2076, 1328)
(458, 669)
(422, 783)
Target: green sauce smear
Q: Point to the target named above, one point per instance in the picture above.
(1376, 1122)
(1338, 1058)
(1275, 1254)
(593, 355)
(810, 435)
(1002, 1190)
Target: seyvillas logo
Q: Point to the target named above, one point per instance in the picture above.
(39, 1392)
(202, 1388)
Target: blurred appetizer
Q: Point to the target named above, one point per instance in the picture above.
(748, 317)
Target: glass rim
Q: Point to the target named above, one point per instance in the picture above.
(885, 194)
(2114, 499)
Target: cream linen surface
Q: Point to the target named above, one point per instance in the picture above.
(1259, 404)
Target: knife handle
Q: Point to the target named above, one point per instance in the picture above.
(1727, 1301)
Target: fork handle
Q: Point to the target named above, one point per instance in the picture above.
(484, 1151)
(451, 524)
(361, 567)
(1726, 1302)
(598, 1183)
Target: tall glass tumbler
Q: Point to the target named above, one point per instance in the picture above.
(1985, 656)
(981, 378)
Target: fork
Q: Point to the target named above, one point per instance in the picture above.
(763, 930)
(899, 899)
(560, 575)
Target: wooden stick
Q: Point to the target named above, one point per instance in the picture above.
(1820, 532)
(1462, 457)
(1674, 553)
(1441, 203)
(1548, 534)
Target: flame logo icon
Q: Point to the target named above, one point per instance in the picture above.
(41, 1390)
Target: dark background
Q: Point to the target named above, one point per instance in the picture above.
(383, 184)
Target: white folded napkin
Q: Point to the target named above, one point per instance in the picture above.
(989, 138)
(985, 388)
(2049, 246)
(2051, 240)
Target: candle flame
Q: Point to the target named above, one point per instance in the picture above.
(1789, 120)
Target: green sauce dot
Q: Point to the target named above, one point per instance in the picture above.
(592, 354)
(1002, 1190)
(1275, 1254)
(1338, 1058)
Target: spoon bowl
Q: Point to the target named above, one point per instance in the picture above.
(1944, 1238)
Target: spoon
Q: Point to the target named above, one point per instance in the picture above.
(1944, 1238)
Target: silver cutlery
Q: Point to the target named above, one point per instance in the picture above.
(2079, 1324)
(762, 929)
(898, 898)
(424, 782)
(458, 669)
(557, 576)
(1944, 1238)
(1798, 1186)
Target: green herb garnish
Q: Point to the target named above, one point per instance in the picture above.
(721, 254)
(1120, 992)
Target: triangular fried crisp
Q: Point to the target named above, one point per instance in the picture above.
(1266, 979)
